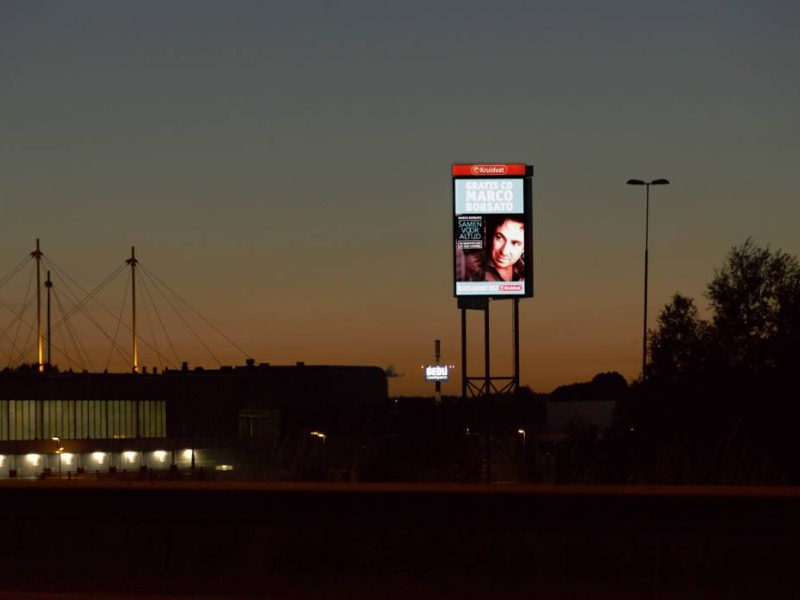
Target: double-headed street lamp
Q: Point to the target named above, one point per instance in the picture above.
(647, 184)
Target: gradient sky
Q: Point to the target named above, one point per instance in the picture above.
(285, 166)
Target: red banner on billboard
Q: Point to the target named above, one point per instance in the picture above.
(489, 170)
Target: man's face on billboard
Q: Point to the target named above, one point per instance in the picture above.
(508, 244)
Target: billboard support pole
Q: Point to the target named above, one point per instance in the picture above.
(487, 388)
(516, 343)
(463, 353)
(484, 388)
(437, 354)
(487, 391)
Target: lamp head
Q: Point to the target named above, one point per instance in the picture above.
(660, 182)
(635, 182)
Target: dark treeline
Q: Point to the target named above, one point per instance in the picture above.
(456, 440)
(718, 403)
(479, 438)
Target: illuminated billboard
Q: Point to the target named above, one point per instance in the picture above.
(493, 230)
(437, 373)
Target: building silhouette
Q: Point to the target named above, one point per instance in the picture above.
(253, 420)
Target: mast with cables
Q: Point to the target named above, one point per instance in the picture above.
(133, 262)
(37, 254)
(49, 285)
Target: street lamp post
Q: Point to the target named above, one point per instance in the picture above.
(524, 452)
(324, 439)
(647, 185)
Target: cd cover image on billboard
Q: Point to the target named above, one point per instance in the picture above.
(490, 237)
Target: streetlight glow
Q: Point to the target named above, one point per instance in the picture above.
(324, 439)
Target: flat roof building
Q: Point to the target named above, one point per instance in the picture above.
(255, 418)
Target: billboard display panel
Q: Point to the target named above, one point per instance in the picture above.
(493, 231)
(437, 373)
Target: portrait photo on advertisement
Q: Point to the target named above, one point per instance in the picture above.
(490, 248)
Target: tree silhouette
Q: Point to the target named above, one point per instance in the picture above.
(680, 345)
(603, 386)
(754, 331)
(755, 298)
(719, 404)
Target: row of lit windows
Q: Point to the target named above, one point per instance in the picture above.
(65, 463)
(98, 458)
(82, 419)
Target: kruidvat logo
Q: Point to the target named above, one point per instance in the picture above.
(489, 170)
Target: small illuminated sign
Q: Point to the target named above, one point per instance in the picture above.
(437, 373)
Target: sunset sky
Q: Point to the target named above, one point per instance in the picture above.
(285, 166)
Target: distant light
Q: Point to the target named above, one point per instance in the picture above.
(99, 457)
(33, 459)
(160, 455)
(223, 468)
(130, 456)
(187, 454)
(2, 460)
(66, 457)
(522, 431)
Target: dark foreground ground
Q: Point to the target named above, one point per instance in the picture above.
(82, 539)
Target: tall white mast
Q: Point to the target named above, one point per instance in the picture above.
(37, 254)
(133, 262)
